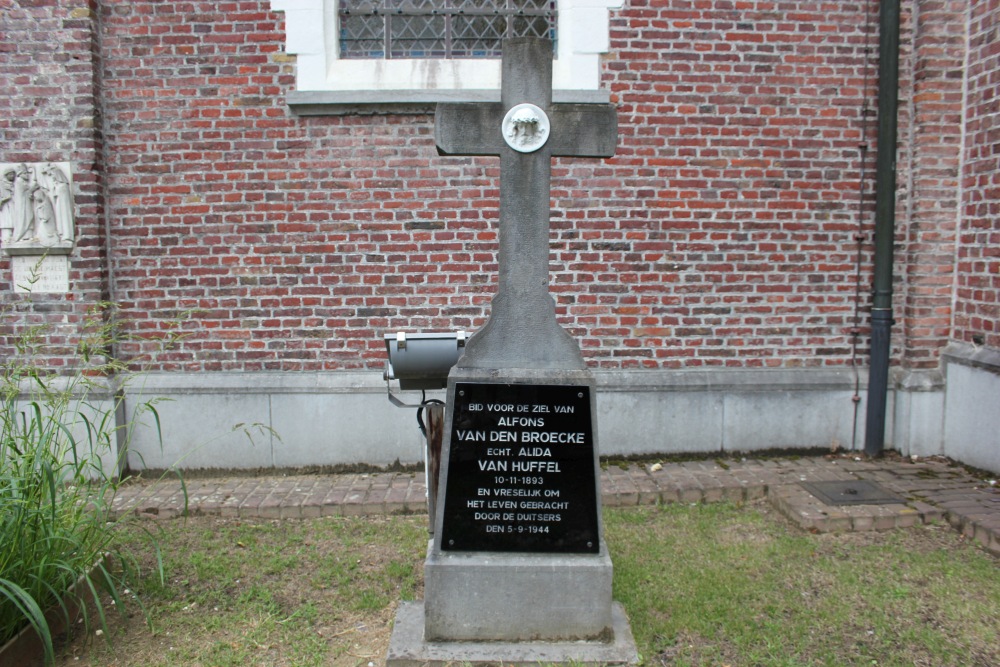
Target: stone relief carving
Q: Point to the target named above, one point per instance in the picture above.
(525, 128)
(36, 208)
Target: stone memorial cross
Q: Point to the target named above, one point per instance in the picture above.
(526, 130)
(518, 570)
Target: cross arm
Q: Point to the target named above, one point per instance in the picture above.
(469, 129)
(583, 130)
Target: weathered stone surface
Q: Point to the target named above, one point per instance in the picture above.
(522, 331)
(407, 647)
(517, 597)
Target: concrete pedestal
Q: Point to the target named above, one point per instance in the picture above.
(408, 648)
(486, 596)
(519, 607)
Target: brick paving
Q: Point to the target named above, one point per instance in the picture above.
(933, 489)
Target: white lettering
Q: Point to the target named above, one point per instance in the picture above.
(535, 451)
(539, 517)
(551, 437)
(521, 493)
(537, 422)
(534, 505)
(502, 505)
(535, 466)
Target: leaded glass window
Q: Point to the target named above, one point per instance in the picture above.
(440, 28)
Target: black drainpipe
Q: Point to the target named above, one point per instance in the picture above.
(885, 213)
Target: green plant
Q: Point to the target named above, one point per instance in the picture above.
(60, 441)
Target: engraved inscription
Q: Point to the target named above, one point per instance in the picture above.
(521, 470)
(47, 274)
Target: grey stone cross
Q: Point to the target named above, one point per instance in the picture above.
(526, 130)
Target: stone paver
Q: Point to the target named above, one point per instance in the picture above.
(933, 489)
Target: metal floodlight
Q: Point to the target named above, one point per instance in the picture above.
(422, 360)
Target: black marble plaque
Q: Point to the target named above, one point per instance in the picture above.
(521, 470)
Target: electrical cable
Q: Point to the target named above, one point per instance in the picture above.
(420, 410)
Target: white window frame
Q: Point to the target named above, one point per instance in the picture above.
(323, 79)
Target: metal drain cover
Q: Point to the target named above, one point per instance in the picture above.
(852, 492)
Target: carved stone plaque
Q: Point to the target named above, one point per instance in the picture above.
(521, 470)
(36, 208)
(525, 128)
(37, 275)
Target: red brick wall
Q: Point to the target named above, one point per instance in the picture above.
(932, 59)
(48, 113)
(724, 233)
(740, 171)
(977, 304)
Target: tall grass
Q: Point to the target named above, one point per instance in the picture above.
(62, 442)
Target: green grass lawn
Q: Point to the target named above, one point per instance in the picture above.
(719, 585)
(703, 585)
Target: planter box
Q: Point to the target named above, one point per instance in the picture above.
(26, 650)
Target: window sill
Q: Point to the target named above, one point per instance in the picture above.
(333, 103)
